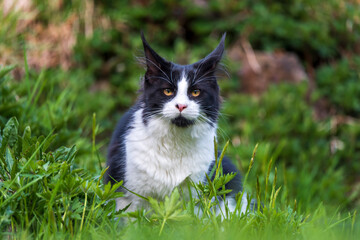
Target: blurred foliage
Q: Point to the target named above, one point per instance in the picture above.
(304, 150)
(316, 32)
(339, 83)
(48, 103)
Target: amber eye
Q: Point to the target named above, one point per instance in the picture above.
(195, 92)
(168, 92)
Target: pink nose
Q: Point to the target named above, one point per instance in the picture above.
(181, 107)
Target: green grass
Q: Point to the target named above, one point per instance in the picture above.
(47, 193)
(45, 196)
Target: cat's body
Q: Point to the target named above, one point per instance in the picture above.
(168, 135)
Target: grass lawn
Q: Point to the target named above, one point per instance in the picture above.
(46, 192)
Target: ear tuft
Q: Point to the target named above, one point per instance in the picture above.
(209, 64)
(217, 53)
(154, 63)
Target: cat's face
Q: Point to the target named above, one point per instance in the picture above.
(183, 95)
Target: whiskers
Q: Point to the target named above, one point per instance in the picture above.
(149, 63)
(214, 73)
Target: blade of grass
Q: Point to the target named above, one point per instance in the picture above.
(18, 192)
(26, 70)
(353, 221)
(239, 203)
(221, 158)
(93, 149)
(267, 178)
(83, 214)
(146, 199)
(215, 151)
(336, 223)
(273, 188)
(275, 196)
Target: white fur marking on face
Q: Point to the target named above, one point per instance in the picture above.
(181, 96)
(192, 110)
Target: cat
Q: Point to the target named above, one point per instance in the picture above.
(168, 135)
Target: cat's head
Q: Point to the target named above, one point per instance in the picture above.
(183, 95)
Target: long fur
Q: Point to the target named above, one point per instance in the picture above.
(156, 146)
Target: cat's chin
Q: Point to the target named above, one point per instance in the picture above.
(182, 122)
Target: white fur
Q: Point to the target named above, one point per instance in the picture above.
(231, 205)
(160, 155)
(191, 112)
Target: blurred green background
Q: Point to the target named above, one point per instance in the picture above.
(293, 82)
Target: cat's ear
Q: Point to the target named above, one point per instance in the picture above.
(154, 63)
(211, 61)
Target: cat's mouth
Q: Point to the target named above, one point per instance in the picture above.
(181, 121)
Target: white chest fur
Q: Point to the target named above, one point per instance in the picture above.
(160, 156)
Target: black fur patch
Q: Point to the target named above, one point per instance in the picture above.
(162, 74)
(182, 122)
(116, 159)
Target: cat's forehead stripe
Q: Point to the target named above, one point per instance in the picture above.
(183, 85)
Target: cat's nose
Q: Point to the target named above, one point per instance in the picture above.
(181, 107)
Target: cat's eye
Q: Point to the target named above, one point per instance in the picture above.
(168, 92)
(195, 92)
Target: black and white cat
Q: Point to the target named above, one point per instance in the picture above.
(168, 135)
